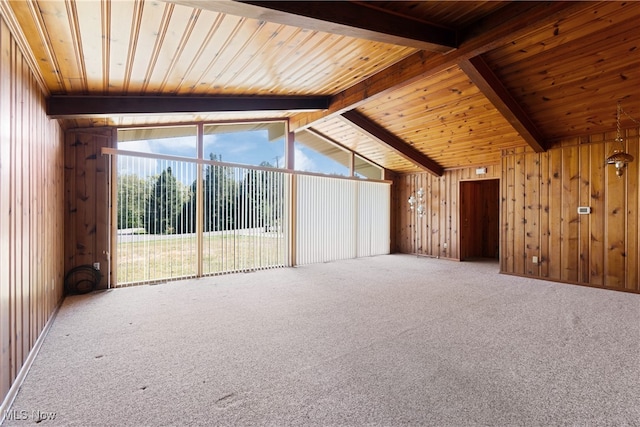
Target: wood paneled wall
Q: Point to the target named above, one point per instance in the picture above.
(31, 212)
(440, 224)
(87, 199)
(540, 197)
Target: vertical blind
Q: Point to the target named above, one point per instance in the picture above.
(340, 219)
(181, 218)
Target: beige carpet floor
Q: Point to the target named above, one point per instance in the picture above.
(382, 341)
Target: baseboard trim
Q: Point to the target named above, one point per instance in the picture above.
(15, 387)
(586, 285)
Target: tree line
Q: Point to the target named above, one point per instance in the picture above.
(162, 204)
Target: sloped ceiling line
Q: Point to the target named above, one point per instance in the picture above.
(484, 78)
(10, 19)
(391, 141)
(509, 23)
(340, 17)
(341, 146)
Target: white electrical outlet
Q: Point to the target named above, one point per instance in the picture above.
(96, 265)
(535, 260)
(445, 245)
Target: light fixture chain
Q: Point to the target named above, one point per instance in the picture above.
(618, 132)
(636, 121)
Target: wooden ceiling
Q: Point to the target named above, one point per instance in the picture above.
(408, 85)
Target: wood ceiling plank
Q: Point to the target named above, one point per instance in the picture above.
(264, 68)
(181, 29)
(91, 47)
(347, 58)
(11, 20)
(562, 89)
(459, 14)
(156, 58)
(455, 147)
(106, 44)
(231, 62)
(75, 27)
(465, 141)
(510, 22)
(151, 24)
(213, 42)
(238, 55)
(564, 31)
(345, 18)
(327, 58)
(596, 49)
(55, 22)
(487, 136)
(425, 103)
(125, 30)
(33, 27)
(381, 135)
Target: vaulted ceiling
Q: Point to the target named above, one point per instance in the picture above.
(408, 85)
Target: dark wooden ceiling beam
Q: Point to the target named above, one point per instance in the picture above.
(340, 17)
(66, 107)
(509, 23)
(490, 85)
(391, 141)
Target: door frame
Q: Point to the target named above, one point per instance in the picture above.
(462, 244)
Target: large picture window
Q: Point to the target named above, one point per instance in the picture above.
(256, 144)
(218, 198)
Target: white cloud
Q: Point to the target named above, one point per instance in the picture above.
(137, 145)
(303, 162)
(176, 144)
(141, 166)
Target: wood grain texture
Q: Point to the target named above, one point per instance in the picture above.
(510, 23)
(31, 217)
(372, 130)
(116, 47)
(351, 19)
(427, 235)
(444, 117)
(560, 72)
(87, 199)
(600, 249)
(479, 229)
(491, 86)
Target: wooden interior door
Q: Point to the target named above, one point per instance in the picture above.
(479, 219)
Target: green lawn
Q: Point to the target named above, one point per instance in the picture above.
(158, 258)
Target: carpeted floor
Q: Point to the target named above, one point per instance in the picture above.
(383, 341)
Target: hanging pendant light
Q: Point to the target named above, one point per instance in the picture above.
(618, 157)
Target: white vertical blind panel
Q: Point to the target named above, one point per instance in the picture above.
(245, 219)
(374, 200)
(326, 219)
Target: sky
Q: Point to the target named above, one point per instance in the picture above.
(249, 148)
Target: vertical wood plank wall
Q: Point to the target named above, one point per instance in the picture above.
(31, 211)
(441, 221)
(86, 199)
(541, 194)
